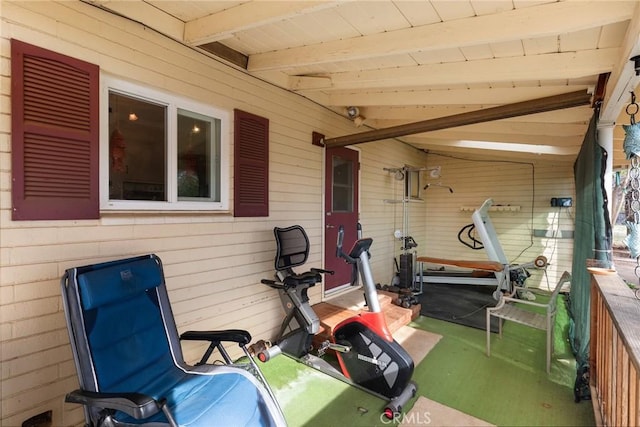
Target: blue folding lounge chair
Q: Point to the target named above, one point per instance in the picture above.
(129, 361)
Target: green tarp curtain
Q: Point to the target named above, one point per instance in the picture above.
(593, 236)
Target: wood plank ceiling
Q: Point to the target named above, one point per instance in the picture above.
(406, 61)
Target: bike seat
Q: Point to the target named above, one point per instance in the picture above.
(309, 278)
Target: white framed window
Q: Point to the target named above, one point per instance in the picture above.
(412, 183)
(161, 151)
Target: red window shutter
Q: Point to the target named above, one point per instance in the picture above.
(251, 165)
(54, 119)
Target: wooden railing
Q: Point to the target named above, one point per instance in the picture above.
(615, 352)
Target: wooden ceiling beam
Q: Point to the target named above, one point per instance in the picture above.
(548, 66)
(623, 78)
(246, 16)
(406, 114)
(498, 130)
(464, 98)
(527, 22)
(550, 103)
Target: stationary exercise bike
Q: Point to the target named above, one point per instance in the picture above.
(367, 354)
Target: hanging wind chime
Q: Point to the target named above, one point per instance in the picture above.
(631, 146)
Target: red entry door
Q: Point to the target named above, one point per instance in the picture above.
(341, 208)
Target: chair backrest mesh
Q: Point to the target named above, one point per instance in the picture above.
(292, 247)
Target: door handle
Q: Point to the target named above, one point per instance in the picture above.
(330, 226)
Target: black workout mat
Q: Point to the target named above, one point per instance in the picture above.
(462, 304)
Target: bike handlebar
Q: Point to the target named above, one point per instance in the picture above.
(339, 252)
(322, 270)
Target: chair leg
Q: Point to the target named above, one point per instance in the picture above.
(488, 333)
(548, 353)
(549, 342)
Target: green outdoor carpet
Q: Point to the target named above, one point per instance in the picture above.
(310, 398)
(511, 387)
(507, 389)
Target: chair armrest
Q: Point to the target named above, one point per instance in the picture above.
(498, 306)
(272, 283)
(240, 336)
(520, 301)
(137, 405)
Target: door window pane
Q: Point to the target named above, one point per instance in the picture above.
(342, 191)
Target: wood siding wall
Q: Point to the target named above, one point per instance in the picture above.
(525, 187)
(214, 262)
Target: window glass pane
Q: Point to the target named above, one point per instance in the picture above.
(342, 197)
(412, 184)
(137, 149)
(198, 157)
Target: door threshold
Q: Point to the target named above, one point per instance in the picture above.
(340, 291)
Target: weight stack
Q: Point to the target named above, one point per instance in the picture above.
(406, 271)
